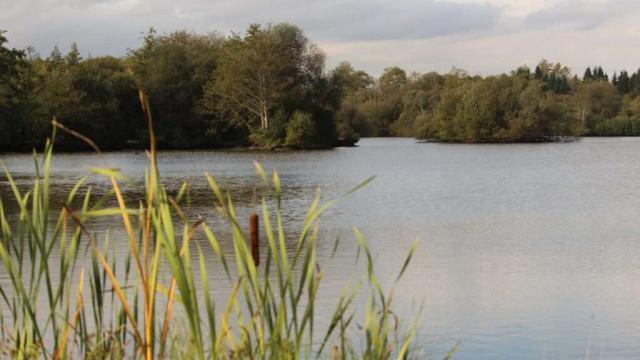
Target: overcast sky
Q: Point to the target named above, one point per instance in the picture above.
(480, 36)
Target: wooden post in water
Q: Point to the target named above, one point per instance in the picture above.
(254, 236)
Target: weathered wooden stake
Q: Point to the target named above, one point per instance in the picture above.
(254, 236)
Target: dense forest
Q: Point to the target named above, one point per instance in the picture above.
(525, 105)
(269, 87)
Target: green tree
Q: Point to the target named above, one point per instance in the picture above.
(504, 108)
(623, 83)
(418, 104)
(73, 56)
(525, 71)
(173, 69)
(301, 131)
(349, 89)
(12, 65)
(383, 103)
(595, 102)
(109, 110)
(267, 70)
(255, 73)
(55, 58)
(392, 80)
(97, 97)
(348, 80)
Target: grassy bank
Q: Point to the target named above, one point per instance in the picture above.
(123, 308)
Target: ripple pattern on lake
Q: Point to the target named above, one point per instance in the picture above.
(527, 251)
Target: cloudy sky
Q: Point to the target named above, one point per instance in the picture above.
(481, 36)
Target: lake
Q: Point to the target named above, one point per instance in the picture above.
(527, 251)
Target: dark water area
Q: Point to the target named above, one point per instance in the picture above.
(526, 251)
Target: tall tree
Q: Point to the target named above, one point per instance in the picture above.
(348, 80)
(262, 77)
(12, 63)
(73, 56)
(587, 74)
(623, 83)
(392, 80)
(538, 75)
(350, 86)
(55, 58)
(173, 70)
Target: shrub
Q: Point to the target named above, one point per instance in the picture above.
(301, 131)
(271, 137)
(621, 125)
(264, 139)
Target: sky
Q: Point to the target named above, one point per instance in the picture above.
(480, 36)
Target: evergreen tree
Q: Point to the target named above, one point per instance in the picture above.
(564, 85)
(55, 57)
(552, 83)
(587, 74)
(634, 81)
(12, 63)
(539, 75)
(73, 57)
(624, 82)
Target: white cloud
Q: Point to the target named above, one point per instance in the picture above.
(516, 8)
(613, 46)
(483, 36)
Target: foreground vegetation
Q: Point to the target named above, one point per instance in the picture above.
(55, 307)
(269, 87)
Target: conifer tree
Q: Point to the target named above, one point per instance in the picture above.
(623, 83)
(538, 73)
(55, 57)
(73, 56)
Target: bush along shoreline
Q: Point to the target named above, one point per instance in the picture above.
(119, 308)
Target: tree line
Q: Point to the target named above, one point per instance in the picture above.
(525, 105)
(270, 87)
(267, 87)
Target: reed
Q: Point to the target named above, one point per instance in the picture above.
(120, 308)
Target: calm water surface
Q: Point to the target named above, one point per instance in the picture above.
(527, 251)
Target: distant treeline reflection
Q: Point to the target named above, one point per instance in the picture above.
(269, 87)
